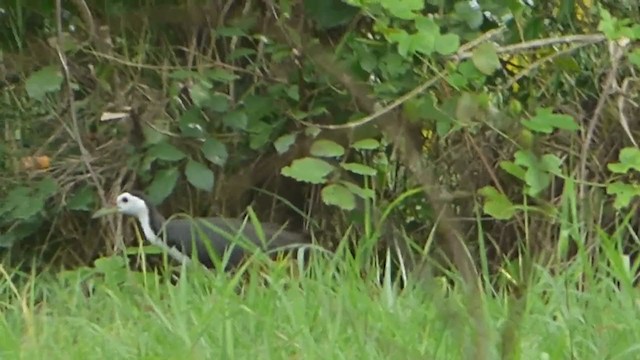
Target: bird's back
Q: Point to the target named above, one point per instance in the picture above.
(227, 234)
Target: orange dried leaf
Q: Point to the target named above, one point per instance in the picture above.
(44, 162)
(36, 162)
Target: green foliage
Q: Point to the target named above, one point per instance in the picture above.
(615, 28)
(164, 151)
(246, 93)
(366, 144)
(163, 184)
(215, 152)
(427, 39)
(486, 59)
(326, 148)
(24, 209)
(497, 204)
(359, 169)
(199, 175)
(329, 13)
(309, 170)
(338, 195)
(534, 170)
(284, 142)
(240, 92)
(545, 121)
(44, 81)
(628, 160)
(83, 200)
(336, 192)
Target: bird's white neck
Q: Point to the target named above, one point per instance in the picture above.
(145, 223)
(152, 237)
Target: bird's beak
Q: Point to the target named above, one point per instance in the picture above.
(105, 211)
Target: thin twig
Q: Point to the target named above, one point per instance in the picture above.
(535, 65)
(75, 133)
(616, 53)
(534, 44)
(622, 102)
(397, 102)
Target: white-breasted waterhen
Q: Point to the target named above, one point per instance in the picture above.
(211, 236)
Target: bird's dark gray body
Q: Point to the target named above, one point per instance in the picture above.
(219, 236)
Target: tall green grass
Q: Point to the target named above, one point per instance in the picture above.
(332, 312)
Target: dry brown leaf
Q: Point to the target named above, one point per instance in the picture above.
(108, 116)
(36, 162)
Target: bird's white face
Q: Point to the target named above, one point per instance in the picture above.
(131, 205)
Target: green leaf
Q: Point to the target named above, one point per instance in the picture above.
(241, 52)
(513, 169)
(361, 192)
(551, 163)
(28, 208)
(191, 123)
(338, 195)
(259, 134)
(215, 151)
(472, 16)
(497, 204)
(329, 13)
(467, 107)
(47, 187)
(359, 169)
(166, 152)
(199, 175)
(309, 170)
(537, 175)
(485, 58)
(221, 75)
(368, 62)
(624, 193)
(236, 119)
(162, 186)
(447, 44)
(258, 106)
(200, 94)
(284, 142)
(424, 40)
(545, 121)
(326, 148)
(22, 230)
(229, 31)
(427, 25)
(114, 269)
(182, 74)
(312, 131)
(366, 144)
(46, 80)
(82, 200)
(634, 57)
(218, 103)
(405, 9)
(608, 24)
(16, 196)
(293, 92)
(629, 159)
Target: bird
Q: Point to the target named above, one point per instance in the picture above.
(200, 238)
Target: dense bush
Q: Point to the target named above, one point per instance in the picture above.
(467, 118)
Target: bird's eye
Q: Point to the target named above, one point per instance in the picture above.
(125, 199)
